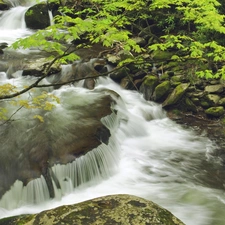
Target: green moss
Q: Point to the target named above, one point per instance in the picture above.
(117, 209)
(161, 90)
(176, 95)
(162, 55)
(215, 111)
(151, 80)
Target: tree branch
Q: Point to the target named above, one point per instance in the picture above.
(38, 80)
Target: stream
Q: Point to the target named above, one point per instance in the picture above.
(148, 155)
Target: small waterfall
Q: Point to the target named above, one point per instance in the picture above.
(89, 169)
(35, 192)
(12, 25)
(13, 19)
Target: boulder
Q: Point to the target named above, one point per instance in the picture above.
(190, 106)
(209, 100)
(215, 111)
(39, 146)
(222, 102)
(218, 88)
(37, 16)
(161, 90)
(119, 74)
(148, 86)
(176, 95)
(3, 5)
(113, 209)
(37, 67)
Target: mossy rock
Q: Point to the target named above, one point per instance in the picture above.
(162, 55)
(114, 209)
(37, 16)
(161, 90)
(210, 100)
(164, 76)
(148, 86)
(215, 111)
(3, 5)
(190, 106)
(217, 88)
(221, 102)
(176, 94)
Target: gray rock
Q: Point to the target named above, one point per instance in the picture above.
(218, 88)
(210, 100)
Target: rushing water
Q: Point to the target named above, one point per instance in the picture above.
(148, 155)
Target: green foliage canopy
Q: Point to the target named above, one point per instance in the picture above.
(192, 29)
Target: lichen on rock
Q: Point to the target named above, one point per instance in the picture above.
(113, 209)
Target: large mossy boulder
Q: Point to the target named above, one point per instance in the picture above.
(176, 95)
(37, 16)
(113, 209)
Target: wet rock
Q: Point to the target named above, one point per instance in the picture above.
(176, 95)
(161, 90)
(79, 130)
(37, 67)
(113, 209)
(118, 75)
(37, 16)
(215, 111)
(3, 5)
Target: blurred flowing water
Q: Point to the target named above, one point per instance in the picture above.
(148, 155)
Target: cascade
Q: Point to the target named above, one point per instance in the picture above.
(13, 19)
(148, 155)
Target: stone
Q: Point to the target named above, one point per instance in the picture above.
(112, 209)
(176, 94)
(119, 74)
(140, 41)
(190, 106)
(218, 88)
(162, 55)
(3, 5)
(164, 76)
(210, 100)
(80, 131)
(215, 111)
(36, 67)
(37, 17)
(221, 102)
(161, 90)
(148, 86)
